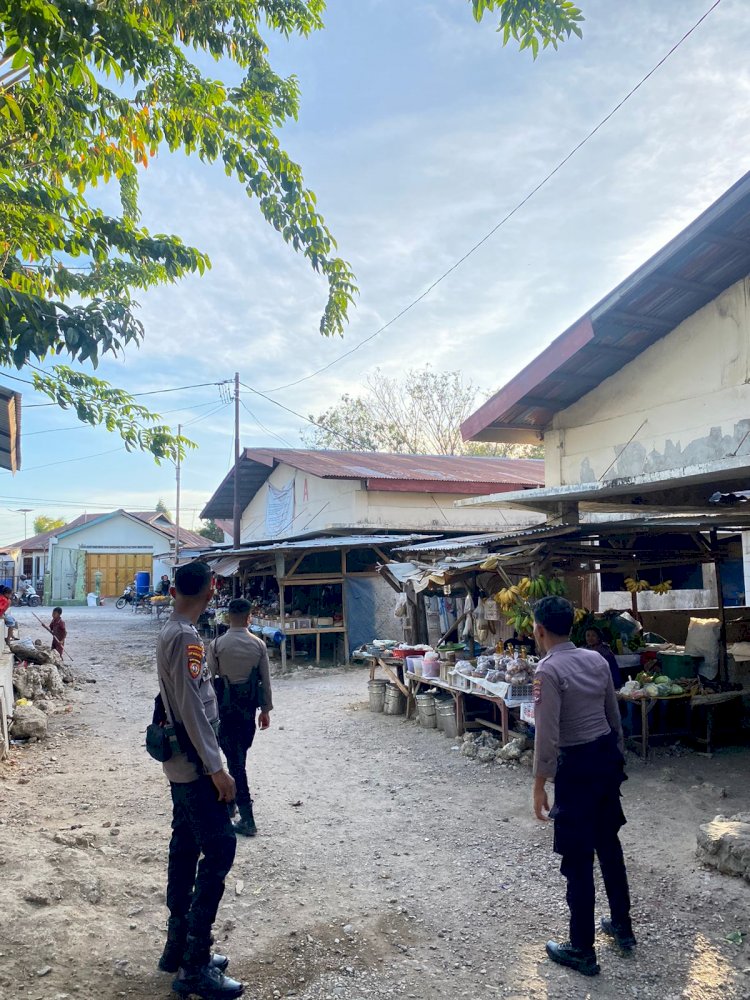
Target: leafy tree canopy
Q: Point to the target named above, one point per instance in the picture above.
(161, 508)
(530, 22)
(420, 413)
(212, 531)
(44, 523)
(89, 91)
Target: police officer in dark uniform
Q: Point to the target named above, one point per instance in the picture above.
(203, 842)
(238, 661)
(579, 746)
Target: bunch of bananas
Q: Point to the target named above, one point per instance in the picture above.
(521, 621)
(544, 586)
(636, 586)
(509, 597)
(662, 588)
(578, 615)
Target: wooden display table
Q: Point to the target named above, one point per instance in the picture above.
(690, 703)
(459, 698)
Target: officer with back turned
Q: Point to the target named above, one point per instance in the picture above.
(238, 662)
(579, 746)
(203, 842)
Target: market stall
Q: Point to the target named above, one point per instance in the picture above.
(504, 574)
(318, 596)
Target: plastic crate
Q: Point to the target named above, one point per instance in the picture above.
(518, 691)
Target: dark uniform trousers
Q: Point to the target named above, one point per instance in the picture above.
(236, 735)
(588, 816)
(201, 853)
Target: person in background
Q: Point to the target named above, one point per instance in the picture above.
(595, 640)
(579, 746)
(5, 603)
(164, 586)
(239, 662)
(58, 630)
(203, 844)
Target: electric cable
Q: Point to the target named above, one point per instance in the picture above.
(506, 218)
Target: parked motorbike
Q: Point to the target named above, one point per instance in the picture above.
(26, 599)
(128, 596)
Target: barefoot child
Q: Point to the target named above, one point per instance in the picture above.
(58, 630)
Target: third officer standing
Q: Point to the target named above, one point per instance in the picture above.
(239, 662)
(579, 746)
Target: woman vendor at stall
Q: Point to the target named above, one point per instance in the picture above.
(595, 640)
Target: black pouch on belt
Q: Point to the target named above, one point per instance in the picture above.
(161, 738)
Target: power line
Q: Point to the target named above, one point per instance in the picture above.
(83, 427)
(263, 427)
(545, 180)
(357, 445)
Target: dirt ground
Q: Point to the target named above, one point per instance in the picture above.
(386, 865)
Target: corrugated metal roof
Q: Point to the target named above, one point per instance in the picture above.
(711, 254)
(40, 542)
(319, 544)
(465, 542)
(414, 473)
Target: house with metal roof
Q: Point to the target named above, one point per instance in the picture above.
(643, 404)
(285, 492)
(316, 524)
(98, 553)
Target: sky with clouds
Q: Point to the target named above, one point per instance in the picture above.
(418, 132)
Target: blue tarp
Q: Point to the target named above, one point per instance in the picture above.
(360, 609)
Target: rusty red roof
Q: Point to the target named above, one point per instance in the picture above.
(707, 257)
(468, 475)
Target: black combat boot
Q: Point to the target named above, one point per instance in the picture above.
(583, 960)
(174, 949)
(246, 827)
(207, 983)
(197, 977)
(621, 932)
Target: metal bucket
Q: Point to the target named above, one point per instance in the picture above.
(447, 719)
(440, 718)
(376, 692)
(395, 703)
(426, 710)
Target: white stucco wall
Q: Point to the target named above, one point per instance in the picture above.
(685, 402)
(436, 512)
(326, 503)
(318, 503)
(116, 534)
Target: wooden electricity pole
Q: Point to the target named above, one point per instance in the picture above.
(177, 504)
(236, 512)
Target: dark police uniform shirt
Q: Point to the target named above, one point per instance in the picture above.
(235, 655)
(574, 703)
(185, 678)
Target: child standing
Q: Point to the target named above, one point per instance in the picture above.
(58, 630)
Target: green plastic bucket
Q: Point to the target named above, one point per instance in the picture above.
(675, 665)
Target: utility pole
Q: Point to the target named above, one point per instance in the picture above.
(236, 512)
(177, 504)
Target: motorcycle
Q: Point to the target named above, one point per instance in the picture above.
(26, 599)
(128, 596)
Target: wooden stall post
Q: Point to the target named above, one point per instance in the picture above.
(280, 572)
(344, 609)
(723, 665)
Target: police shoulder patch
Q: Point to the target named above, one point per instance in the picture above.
(194, 660)
(537, 688)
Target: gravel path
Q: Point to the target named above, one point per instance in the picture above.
(386, 866)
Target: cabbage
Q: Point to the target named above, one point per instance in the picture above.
(662, 679)
(665, 689)
(676, 689)
(651, 691)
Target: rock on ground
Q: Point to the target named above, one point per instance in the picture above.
(28, 723)
(724, 843)
(37, 680)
